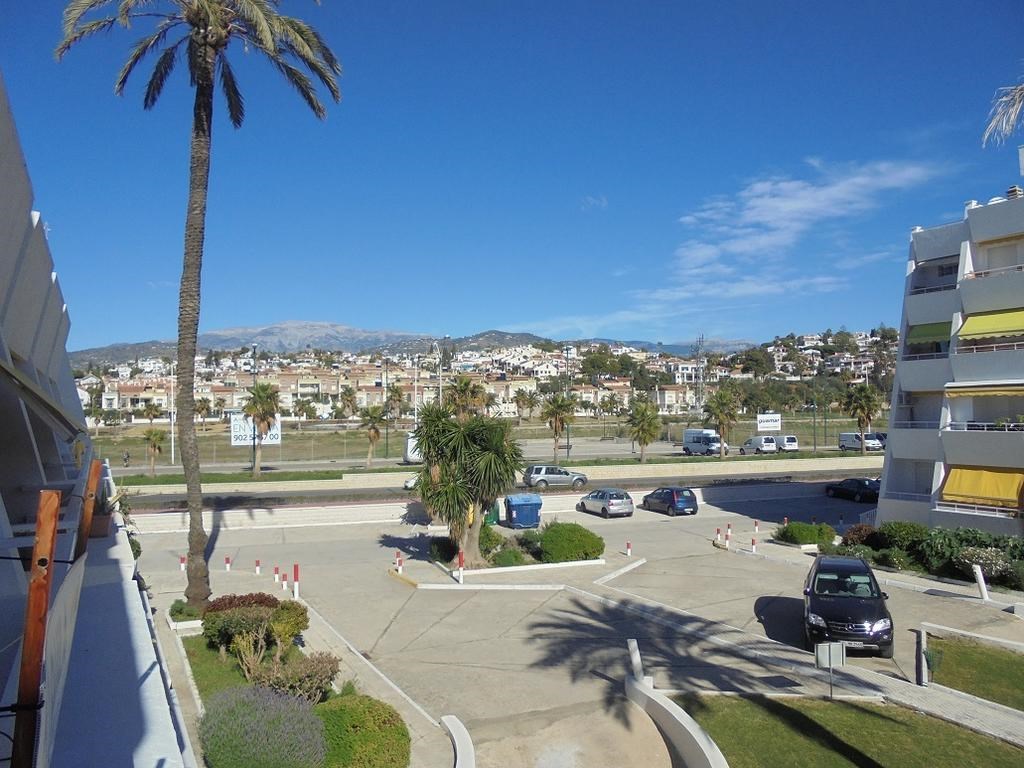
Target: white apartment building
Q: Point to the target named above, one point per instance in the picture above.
(955, 451)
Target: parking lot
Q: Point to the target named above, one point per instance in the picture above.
(537, 675)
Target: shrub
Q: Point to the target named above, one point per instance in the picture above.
(221, 628)
(805, 533)
(136, 546)
(972, 537)
(490, 539)
(287, 622)
(227, 602)
(899, 534)
(994, 564)
(1015, 578)
(307, 677)
(529, 540)
(938, 550)
(508, 556)
(1014, 547)
(828, 548)
(443, 549)
(182, 611)
(259, 728)
(362, 732)
(857, 534)
(857, 550)
(564, 542)
(893, 558)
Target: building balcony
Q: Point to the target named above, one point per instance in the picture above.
(992, 289)
(932, 305)
(988, 362)
(925, 373)
(914, 440)
(983, 444)
(996, 221)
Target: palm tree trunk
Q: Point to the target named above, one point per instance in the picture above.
(197, 591)
(369, 455)
(863, 447)
(152, 463)
(259, 457)
(471, 545)
(554, 450)
(643, 452)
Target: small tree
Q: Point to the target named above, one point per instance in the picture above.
(644, 424)
(151, 411)
(722, 410)
(863, 403)
(559, 411)
(203, 409)
(262, 408)
(154, 439)
(372, 419)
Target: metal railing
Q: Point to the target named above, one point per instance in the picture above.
(907, 496)
(976, 509)
(984, 426)
(933, 288)
(915, 425)
(996, 271)
(927, 356)
(1009, 346)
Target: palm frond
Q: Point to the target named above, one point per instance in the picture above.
(301, 41)
(142, 48)
(302, 84)
(124, 10)
(259, 17)
(161, 71)
(76, 9)
(102, 25)
(233, 96)
(1005, 114)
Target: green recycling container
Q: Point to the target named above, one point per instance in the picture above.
(492, 516)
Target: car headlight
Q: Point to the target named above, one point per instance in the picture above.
(881, 625)
(815, 620)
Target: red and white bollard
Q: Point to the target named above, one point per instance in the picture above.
(757, 527)
(277, 574)
(284, 582)
(227, 563)
(728, 530)
(462, 565)
(295, 581)
(398, 556)
(718, 534)
(398, 565)
(785, 521)
(629, 549)
(257, 567)
(753, 546)
(181, 562)
(728, 536)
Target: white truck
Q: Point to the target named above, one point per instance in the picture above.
(702, 442)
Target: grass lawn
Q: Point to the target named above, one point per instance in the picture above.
(808, 733)
(213, 675)
(990, 673)
(274, 476)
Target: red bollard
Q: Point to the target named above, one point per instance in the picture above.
(257, 567)
(277, 574)
(718, 534)
(398, 555)
(227, 563)
(785, 521)
(462, 565)
(400, 563)
(181, 562)
(753, 546)
(295, 581)
(757, 528)
(284, 581)
(629, 549)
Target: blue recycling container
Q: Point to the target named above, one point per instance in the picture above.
(522, 510)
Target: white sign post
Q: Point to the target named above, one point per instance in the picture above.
(241, 431)
(769, 422)
(829, 655)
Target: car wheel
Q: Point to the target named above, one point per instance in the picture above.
(604, 513)
(542, 484)
(886, 651)
(856, 497)
(671, 512)
(686, 452)
(808, 645)
(758, 451)
(580, 507)
(842, 448)
(577, 483)
(742, 452)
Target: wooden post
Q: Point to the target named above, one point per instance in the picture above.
(26, 717)
(85, 524)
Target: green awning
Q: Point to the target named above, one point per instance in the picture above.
(1007, 322)
(928, 332)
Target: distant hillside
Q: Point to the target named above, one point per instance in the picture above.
(682, 348)
(296, 335)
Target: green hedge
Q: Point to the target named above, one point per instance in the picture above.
(363, 732)
(507, 557)
(806, 533)
(565, 542)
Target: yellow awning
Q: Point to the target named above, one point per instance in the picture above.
(984, 486)
(928, 332)
(1003, 391)
(1009, 322)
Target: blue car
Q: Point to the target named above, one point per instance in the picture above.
(672, 500)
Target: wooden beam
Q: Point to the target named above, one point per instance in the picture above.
(85, 522)
(26, 718)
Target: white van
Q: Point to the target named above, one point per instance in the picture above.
(702, 442)
(787, 443)
(759, 444)
(850, 441)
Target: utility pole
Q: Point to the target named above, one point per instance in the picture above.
(253, 417)
(568, 379)
(387, 406)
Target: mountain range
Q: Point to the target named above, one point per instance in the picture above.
(296, 336)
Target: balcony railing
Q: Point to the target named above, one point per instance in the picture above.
(915, 425)
(933, 288)
(907, 496)
(976, 509)
(996, 271)
(1009, 346)
(984, 426)
(927, 356)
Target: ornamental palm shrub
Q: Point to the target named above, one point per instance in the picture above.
(363, 732)
(259, 728)
(564, 542)
(994, 563)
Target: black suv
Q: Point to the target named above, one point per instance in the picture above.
(842, 603)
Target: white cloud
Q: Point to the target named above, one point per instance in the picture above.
(591, 202)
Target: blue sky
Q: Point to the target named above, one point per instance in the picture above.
(648, 170)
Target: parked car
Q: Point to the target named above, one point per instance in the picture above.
(759, 444)
(607, 502)
(881, 437)
(842, 603)
(856, 488)
(543, 475)
(787, 443)
(702, 442)
(410, 484)
(850, 441)
(672, 500)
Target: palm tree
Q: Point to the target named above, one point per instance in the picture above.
(262, 407)
(559, 410)
(203, 409)
(644, 425)
(863, 403)
(522, 400)
(204, 29)
(347, 400)
(465, 397)
(220, 404)
(151, 411)
(154, 439)
(1005, 114)
(533, 402)
(722, 410)
(393, 400)
(372, 418)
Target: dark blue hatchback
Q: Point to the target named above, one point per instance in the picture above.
(672, 500)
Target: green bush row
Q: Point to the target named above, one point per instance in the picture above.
(806, 533)
(362, 732)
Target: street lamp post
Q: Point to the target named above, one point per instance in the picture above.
(253, 417)
(387, 406)
(568, 379)
(416, 391)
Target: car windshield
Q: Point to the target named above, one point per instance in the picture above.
(845, 585)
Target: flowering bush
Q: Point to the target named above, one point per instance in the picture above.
(994, 563)
(857, 534)
(894, 558)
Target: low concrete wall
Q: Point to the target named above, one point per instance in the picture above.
(465, 753)
(691, 743)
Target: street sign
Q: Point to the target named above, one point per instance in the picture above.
(769, 422)
(241, 431)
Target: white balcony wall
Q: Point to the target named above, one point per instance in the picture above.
(983, 449)
(987, 366)
(914, 444)
(898, 509)
(1001, 290)
(1004, 526)
(929, 375)
(934, 307)
(939, 242)
(996, 221)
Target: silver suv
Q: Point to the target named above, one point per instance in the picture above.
(543, 475)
